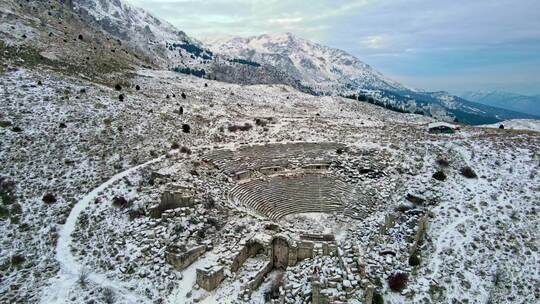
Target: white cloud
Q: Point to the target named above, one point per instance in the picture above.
(373, 42)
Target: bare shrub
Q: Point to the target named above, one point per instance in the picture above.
(136, 213)
(83, 277)
(214, 222)
(398, 281)
(209, 203)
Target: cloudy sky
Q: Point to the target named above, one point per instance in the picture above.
(448, 45)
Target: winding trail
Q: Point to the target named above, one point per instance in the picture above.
(61, 285)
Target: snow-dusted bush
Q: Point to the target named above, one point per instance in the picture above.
(108, 296)
(49, 198)
(439, 175)
(261, 122)
(185, 150)
(83, 277)
(120, 202)
(186, 128)
(443, 162)
(246, 127)
(468, 172)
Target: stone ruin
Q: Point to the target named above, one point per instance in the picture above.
(210, 277)
(275, 181)
(180, 257)
(173, 198)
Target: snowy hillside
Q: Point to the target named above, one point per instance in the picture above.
(163, 43)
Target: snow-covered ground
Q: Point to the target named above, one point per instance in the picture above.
(76, 140)
(517, 124)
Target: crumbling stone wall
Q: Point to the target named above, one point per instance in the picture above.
(180, 258)
(270, 170)
(305, 250)
(251, 249)
(254, 283)
(316, 167)
(209, 278)
(242, 175)
(171, 200)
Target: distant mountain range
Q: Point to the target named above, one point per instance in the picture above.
(506, 100)
(332, 71)
(118, 34)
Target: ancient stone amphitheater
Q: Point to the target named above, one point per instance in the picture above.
(276, 180)
(281, 195)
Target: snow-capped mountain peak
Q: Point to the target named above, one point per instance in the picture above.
(321, 67)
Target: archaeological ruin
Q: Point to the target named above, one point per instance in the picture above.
(286, 189)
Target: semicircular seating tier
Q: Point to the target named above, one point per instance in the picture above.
(253, 157)
(281, 195)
